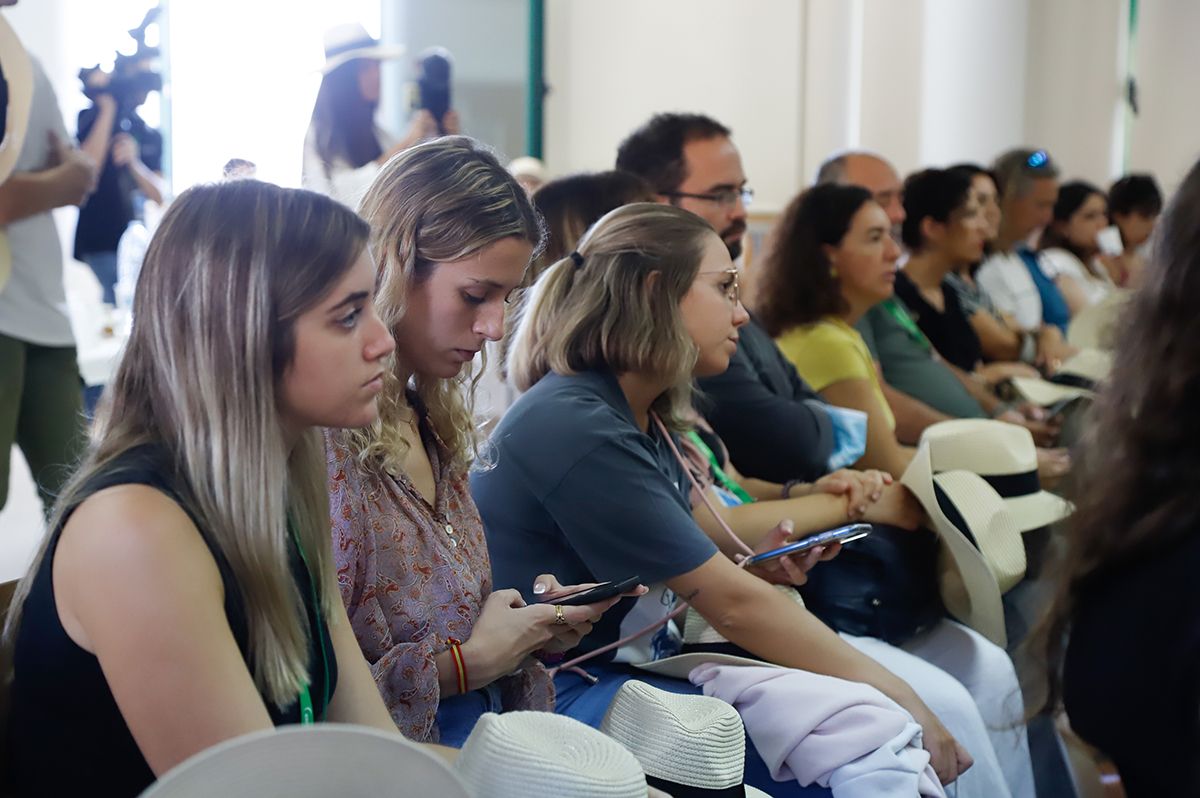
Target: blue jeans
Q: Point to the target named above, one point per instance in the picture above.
(104, 266)
(457, 715)
(588, 703)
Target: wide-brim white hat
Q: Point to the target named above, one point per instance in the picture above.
(18, 77)
(686, 744)
(1006, 457)
(1094, 327)
(1045, 393)
(1091, 364)
(982, 559)
(520, 754)
(17, 72)
(314, 761)
(344, 43)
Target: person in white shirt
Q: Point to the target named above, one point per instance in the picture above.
(344, 147)
(1134, 204)
(1027, 182)
(1069, 250)
(41, 394)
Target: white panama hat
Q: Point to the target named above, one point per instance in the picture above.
(311, 761)
(983, 553)
(344, 43)
(521, 754)
(16, 72)
(1006, 457)
(688, 745)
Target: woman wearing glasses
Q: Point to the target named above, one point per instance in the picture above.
(584, 483)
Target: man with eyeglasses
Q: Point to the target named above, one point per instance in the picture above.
(775, 426)
(690, 161)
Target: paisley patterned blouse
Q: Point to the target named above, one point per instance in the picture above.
(412, 576)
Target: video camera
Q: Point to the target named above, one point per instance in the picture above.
(133, 76)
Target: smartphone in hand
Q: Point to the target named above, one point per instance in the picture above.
(600, 592)
(843, 534)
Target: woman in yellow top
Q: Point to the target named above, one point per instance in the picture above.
(834, 260)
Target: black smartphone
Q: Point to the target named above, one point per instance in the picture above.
(600, 592)
(843, 534)
(433, 84)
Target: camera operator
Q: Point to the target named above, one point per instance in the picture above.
(131, 154)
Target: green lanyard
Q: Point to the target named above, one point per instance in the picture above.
(718, 472)
(904, 320)
(307, 715)
(306, 709)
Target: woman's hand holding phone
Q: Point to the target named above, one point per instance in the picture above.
(790, 569)
(508, 630)
(566, 636)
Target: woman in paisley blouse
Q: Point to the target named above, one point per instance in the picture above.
(452, 234)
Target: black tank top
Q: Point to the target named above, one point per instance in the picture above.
(65, 734)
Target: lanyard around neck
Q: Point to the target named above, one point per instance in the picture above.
(719, 473)
(307, 715)
(904, 320)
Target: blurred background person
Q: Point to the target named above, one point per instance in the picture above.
(345, 147)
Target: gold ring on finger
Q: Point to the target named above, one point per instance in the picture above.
(558, 615)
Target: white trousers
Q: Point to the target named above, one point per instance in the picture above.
(970, 684)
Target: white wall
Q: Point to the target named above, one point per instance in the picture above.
(972, 79)
(893, 43)
(925, 82)
(1073, 86)
(611, 65)
(491, 63)
(1166, 136)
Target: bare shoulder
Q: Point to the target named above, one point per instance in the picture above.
(126, 544)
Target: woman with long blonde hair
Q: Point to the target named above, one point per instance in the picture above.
(452, 233)
(185, 594)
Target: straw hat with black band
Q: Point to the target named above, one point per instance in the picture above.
(16, 98)
(1006, 457)
(520, 754)
(982, 553)
(344, 43)
(1075, 379)
(690, 746)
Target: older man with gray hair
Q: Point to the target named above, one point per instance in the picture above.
(1027, 181)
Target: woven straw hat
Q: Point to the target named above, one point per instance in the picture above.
(16, 71)
(1006, 457)
(346, 42)
(519, 754)
(1091, 364)
(688, 745)
(314, 761)
(1045, 393)
(983, 554)
(1094, 327)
